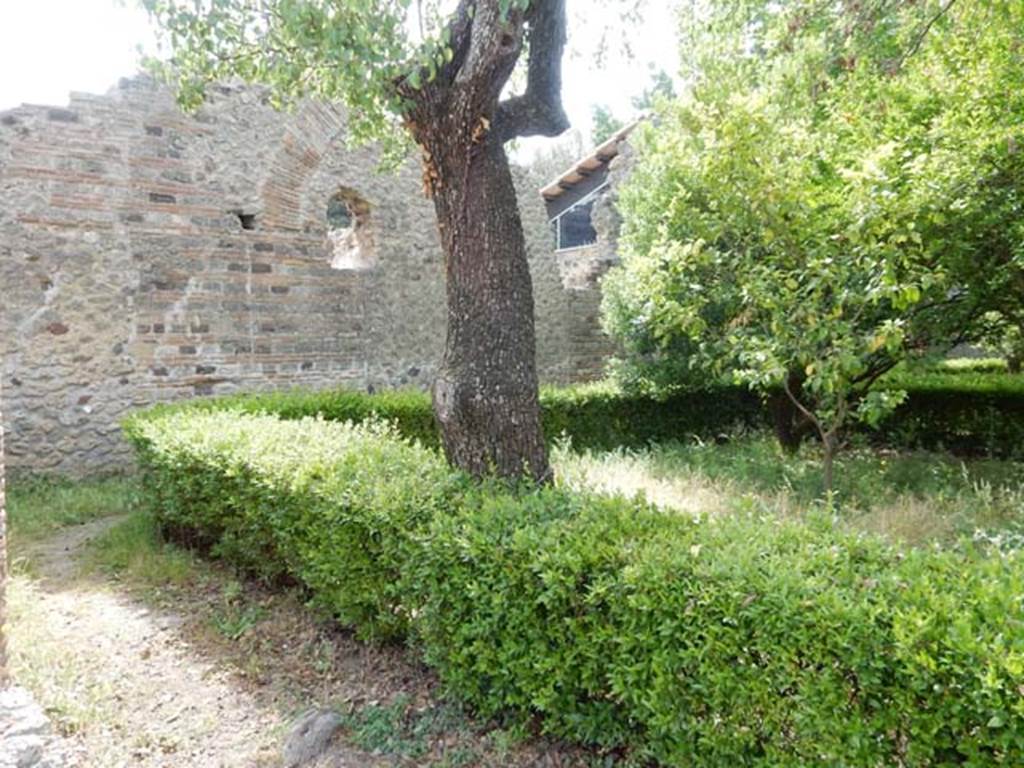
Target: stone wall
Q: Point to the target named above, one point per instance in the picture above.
(146, 255)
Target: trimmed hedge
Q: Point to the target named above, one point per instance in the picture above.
(732, 642)
(961, 413)
(326, 504)
(601, 417)
(409, 410)
(965, 413)
(594, 416)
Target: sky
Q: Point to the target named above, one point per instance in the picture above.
(49, 48)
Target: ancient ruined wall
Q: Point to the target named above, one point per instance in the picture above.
(128, 276)
(576, 275)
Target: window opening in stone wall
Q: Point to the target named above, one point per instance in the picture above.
(348, 231)
(246, 220)
(574, 227)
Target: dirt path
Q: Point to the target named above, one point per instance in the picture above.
(116, 678)
(57, 558)
(143, 671)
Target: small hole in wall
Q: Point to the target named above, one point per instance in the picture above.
(348, 231)
(247, 220)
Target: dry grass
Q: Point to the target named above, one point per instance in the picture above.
(632, 474)
(914, 498)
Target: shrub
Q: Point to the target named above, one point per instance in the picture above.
(328, 504)
(967, 413)
(601, 417)
(740, 641)
(597, 416)
(733, 642)
(409, 410)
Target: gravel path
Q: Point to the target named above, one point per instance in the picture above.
(130, 679)
(117, 678)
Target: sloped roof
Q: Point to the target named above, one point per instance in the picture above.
(596, 162)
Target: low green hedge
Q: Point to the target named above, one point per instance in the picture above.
(594, 416)
(409, 410)
(731, 642)
(963, 413)
(966, 413)
(327, 504)
(600, 417)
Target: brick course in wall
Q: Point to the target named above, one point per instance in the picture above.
(128, 276)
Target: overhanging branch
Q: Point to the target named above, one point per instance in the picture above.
(920, 37)
(459, 29)
(539, 111)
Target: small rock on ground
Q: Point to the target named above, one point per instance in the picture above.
(310, 737)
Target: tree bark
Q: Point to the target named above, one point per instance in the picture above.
(486, 392)
(788, 423)
(829, 448)
(783, 415)
(830, 442)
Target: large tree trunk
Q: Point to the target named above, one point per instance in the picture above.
(485, 395)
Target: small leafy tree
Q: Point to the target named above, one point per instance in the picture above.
(839, 190)
(404, 70)
(604, 124)
(1013, 347)
(661, 88)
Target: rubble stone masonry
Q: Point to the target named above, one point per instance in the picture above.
(147, 255)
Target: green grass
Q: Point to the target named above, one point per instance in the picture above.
(233, 616)
(973, 365)
(400, 728)
(915, 497)
(134, 551)
(37, 507)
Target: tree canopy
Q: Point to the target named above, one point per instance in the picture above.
(840, 188)
(604, 122)
(369, 55)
